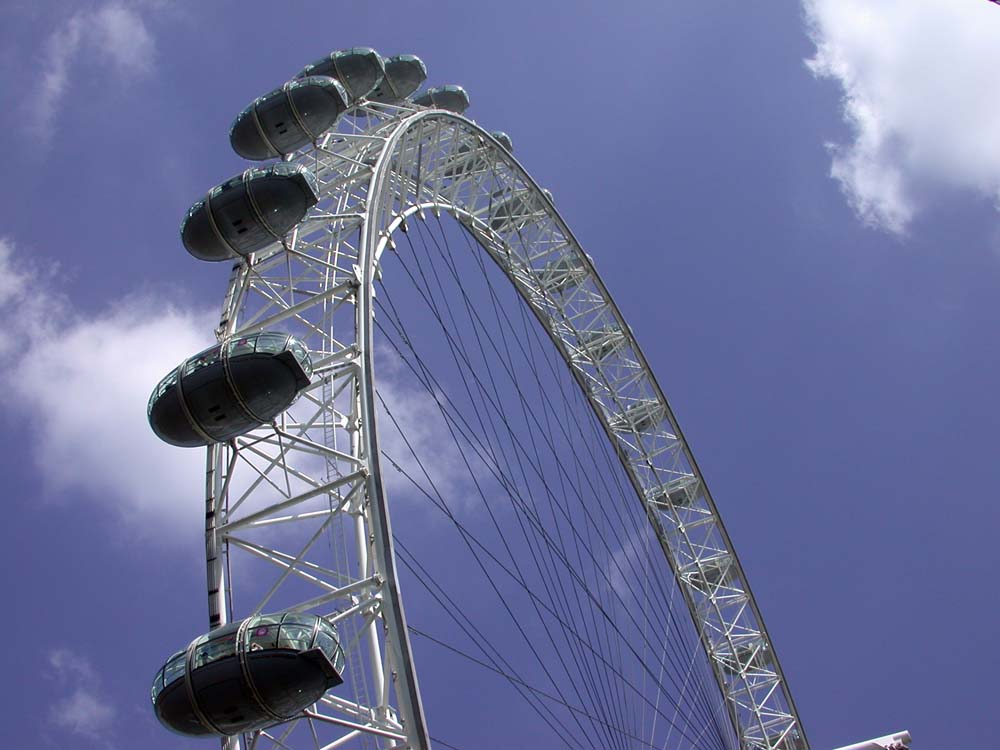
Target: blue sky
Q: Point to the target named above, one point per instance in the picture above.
(795, 206)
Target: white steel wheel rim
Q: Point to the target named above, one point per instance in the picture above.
(374, 178)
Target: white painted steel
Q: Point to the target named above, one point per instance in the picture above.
(895, 741)
(277, 497)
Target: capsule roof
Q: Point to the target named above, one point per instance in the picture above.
(504, 140)
(236, 678)
(229, 389)
(249, 211)
(452, 98)
(403, 76)
(359, 69)
(284, 120)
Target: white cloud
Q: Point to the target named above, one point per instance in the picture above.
(919, 83)
(419, 418)
(121, 34)
(71, 666)
(59, 51)
(113, 32)
(84, 711)
(79, 387)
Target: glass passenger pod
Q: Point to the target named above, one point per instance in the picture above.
(286, 119)
(452, 98)
(679, 493)
(359, 69)
(248, 675)
(403, 75)
(249, 212)
(504, 140)
(229, 389)
(710, 574)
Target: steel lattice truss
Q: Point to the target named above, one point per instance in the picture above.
(296, 516)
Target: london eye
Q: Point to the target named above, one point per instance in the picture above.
(431, 436)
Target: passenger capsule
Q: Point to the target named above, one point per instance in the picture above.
(403, 76)
(229, 389)
(286, 119)
(452, 98)
(249, 212)
(248, 675)
(359, 69)
(504, 140)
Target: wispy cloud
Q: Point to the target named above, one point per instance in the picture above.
(81, 709)
(114, 34)
(121, 34)
(59, 50)
(79, 384)
(78, 388)
(918, 82)
(413, 422)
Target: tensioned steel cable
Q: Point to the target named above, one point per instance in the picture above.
(534, 329)
(452, 605)
(514, 678)
(616, 706)
(536, 550)
(563, 548)
(493, 557)
(707, 685)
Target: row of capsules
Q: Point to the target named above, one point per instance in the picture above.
(265, 669)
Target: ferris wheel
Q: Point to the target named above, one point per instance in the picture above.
(548, 516)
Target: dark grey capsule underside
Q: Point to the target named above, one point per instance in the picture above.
(284, 120)
(282, 201)
(223, 405)
(359, 70)
(287, 681)
(403, 76)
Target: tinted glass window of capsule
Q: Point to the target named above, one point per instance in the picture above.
(289, 631)
(269, 342)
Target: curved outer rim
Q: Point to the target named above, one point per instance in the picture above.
(374, 239)
(389, 133)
